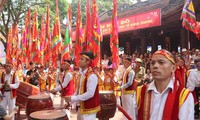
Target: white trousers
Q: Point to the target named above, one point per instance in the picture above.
(62, 104)
(127, 104)
(86, 116)
(8, 102)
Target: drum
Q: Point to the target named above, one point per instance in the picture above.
(108, 105)
(38, 102)
(48, 115)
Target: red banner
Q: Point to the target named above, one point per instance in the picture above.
(137, 21)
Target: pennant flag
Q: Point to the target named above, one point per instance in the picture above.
(14, 41)
(78, 45)
(66, 45)
(56, 43)
(69, 16)
(42, 42)
(47, 47)
(96, 34)
(23, 45)
(88, 30)
(188, 16)
(114, 43)
(12, 44)
(28, 37)
(35, 43)
(9, 46)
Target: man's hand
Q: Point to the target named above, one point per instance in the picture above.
(67, 98)
(16, 108)
(53, 91)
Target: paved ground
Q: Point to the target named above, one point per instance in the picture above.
(56, 101)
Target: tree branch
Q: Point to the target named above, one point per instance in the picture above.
(12, 12)
(3, 18)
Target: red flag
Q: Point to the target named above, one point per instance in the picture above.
(96, 34)
(47, 48)
(9, 46)
(56, 43)
(78, 45)
(12, 44)
(114, 43)
(69, 16)
(88, 30)
(28, 36)
(25, 55)
(14, 41)
(42, 41)
(35, 43)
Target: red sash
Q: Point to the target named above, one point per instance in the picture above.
(171, 109)
(91, 105)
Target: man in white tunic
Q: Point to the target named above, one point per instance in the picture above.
(192, 82)
(163, 98)
(8, 85)
(87, 94)
(128, 87)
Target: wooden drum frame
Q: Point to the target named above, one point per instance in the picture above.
(37, 103)
(108, 105)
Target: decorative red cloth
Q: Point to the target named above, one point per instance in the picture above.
(91, 105)
(69, 89)
(167, 54)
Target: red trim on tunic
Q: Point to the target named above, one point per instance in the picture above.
(171, 109)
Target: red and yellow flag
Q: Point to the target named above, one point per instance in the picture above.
(42, 41)
(9, 46)
(114, 43)
(35, 41)
(56, 43)
(88, 29)
(47, 47)
(96, 34)
(79, 37)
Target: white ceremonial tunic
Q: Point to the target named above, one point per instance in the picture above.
(127, 99)
(158, 100)
(7, 100)
(66, 81)
(92, 83)
(193, 79)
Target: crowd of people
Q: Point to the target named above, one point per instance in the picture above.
(162, 85)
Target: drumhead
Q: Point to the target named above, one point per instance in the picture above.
(39, 96)
(105, 92)
(48, 114)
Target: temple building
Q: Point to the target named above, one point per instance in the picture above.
(149, 25)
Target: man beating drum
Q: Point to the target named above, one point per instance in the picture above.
(87, 94)
(67, 86)
(127, 87)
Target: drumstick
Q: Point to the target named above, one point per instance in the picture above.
(62, 91)
(124, 112)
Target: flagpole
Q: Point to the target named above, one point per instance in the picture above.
(188, 39)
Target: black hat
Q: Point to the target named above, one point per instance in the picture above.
(128, 59)
(88, 55)
(67, 61)
(197, 60)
